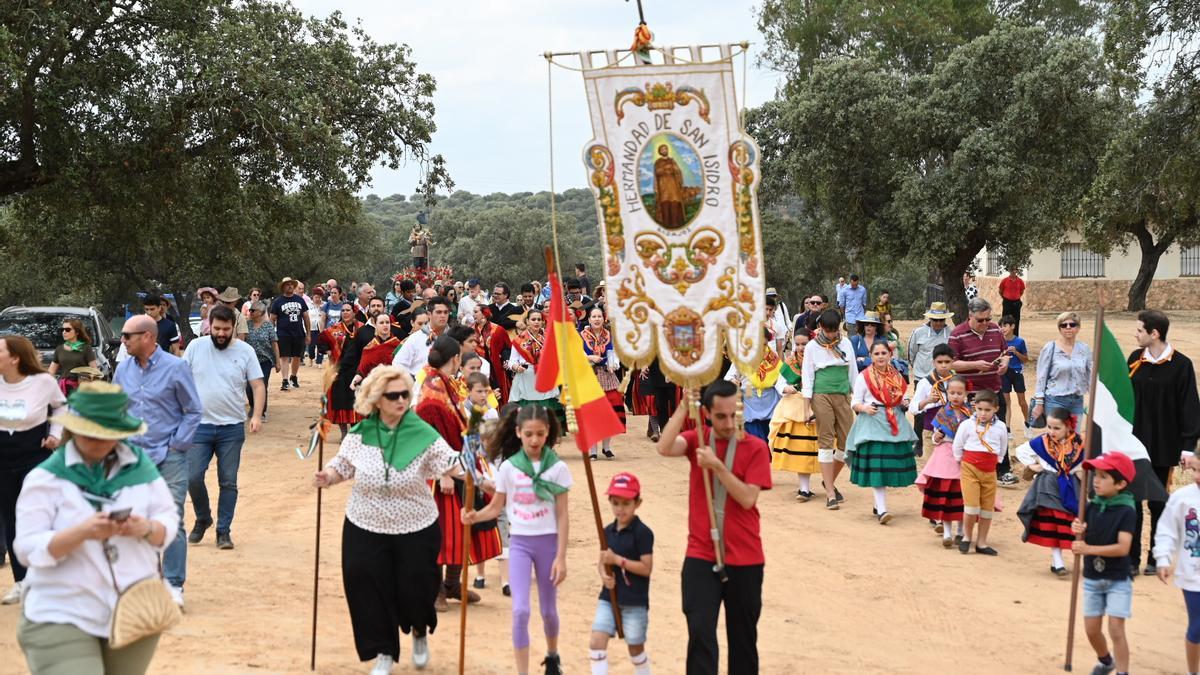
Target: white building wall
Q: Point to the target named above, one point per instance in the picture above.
(1046, 264)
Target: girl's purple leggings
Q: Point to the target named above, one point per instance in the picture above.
(537, 553)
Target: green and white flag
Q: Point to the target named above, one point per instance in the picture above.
(1113, 414)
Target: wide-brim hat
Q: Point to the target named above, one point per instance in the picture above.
(870, 317)
(100, 410)
(286, 281)
(90, 371)
(938, 310)
(771, 291)
(205, 289)
(230, 294)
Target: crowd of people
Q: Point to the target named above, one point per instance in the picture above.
(409, 375)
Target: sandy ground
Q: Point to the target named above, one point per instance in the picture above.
(842, 594)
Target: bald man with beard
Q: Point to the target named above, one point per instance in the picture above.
(162, 392)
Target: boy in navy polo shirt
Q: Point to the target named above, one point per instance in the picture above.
(1107, 535)
(630, 556)
(1014, 377)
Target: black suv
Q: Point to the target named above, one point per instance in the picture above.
(43, 327)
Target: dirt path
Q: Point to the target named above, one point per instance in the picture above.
(842, 594)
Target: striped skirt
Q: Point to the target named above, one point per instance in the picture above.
(794, 447)
(1050, 528)
(617, 401)
(485, 544)
(883, 464)
(942, 500)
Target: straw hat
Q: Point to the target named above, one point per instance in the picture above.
(870, 317)
(100, 410)
(938, 310)
(286, 281)
(230, 294)
(89, 371)
(205, 289)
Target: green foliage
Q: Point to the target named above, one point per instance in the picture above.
(181, 142)
(994, 147)
(497, 237)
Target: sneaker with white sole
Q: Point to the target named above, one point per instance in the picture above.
(420, 655)
(176, 594)
(13, 596)
(383, 665)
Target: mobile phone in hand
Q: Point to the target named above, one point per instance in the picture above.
(120, 515)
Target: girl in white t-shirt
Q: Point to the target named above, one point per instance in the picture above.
(531, 489)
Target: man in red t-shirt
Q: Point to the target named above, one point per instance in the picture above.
(748, 473)
(1011, 290)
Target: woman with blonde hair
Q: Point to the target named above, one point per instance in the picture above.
(27, 436)
(391, 538)
(93, 519)
(1064, 370)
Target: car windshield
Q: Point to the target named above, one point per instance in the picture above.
(43, 330)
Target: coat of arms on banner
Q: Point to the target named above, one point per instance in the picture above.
(675, 180)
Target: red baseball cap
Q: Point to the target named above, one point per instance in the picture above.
(1113, 462)
(624, 485)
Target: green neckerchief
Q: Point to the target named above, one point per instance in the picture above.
(1119, 499)
(74, 345)
(91, 479)
(400, 446)
(544, 489)
(789, 375)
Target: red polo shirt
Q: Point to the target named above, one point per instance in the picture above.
(1012, 288)
(743, 545)
(970, 346)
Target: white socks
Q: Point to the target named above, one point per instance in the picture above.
(599, 659)
(1057, 557)
(880, 499)
(805, 481)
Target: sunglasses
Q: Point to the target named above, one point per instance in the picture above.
(1068, 324)
(127, 336)
(67, 329)
(397, 395)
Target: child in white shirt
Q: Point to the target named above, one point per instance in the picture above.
(978, 445)
(1177, 553)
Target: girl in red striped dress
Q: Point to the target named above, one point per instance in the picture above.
(939, 481)
(598, 345)
(1053, 498)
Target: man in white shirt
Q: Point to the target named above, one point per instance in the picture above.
(222, 367)
(414, 353)
(466, 306)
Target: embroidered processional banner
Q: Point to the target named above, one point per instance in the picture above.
(675, 180)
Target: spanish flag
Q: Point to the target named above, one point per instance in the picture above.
(593, 412)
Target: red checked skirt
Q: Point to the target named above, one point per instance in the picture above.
(1051, 528)
(943, 500)
(485, 545)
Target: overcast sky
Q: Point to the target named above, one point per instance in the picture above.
(491, 78)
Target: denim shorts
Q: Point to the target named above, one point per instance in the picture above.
(633, 622)
(1106, 596)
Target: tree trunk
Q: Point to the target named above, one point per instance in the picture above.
(1151, 254)
(952, 270)
(183, 301)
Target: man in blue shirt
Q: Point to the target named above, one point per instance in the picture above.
(853, 301)
(162, 392)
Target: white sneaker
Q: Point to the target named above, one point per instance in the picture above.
(383, 665)
(420, 655)
(13, 596)
(176, 594)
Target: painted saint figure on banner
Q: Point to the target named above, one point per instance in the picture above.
(671, 181)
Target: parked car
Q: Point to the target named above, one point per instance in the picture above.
(43, 327)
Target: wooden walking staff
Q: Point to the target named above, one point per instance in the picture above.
(1085, 482)
(317, 553)
(714, 530)
(573, 427)
(468, 502)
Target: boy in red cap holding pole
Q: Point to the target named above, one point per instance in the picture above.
(1107, 533)
(630, 556)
